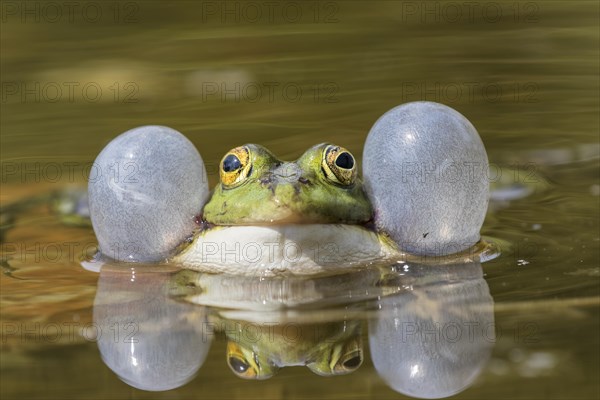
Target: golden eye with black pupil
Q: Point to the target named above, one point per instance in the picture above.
(236, 166)
(338, 165)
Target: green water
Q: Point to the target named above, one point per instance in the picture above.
(526, 74)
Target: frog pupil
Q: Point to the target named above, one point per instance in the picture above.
(231, 163)
(352, 363)
(238, 365)
(344, 160)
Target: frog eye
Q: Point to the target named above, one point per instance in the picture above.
(235, 167)
(349, 362)
(238, 362)
(240, 367)
(338, 165)
(245, 364)
(342, 358)
(350, 357)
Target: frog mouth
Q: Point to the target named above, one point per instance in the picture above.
(290, 219)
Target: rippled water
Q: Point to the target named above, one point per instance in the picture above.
(523, 325)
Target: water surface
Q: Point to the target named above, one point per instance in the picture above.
(527, 78)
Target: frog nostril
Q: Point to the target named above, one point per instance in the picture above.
(303, 180)
(288, 171)
(265, 180)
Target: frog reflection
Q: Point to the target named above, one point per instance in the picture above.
(333, 348)
(314, 322)
(272, 323)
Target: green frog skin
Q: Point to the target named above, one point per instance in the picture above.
(270, 217)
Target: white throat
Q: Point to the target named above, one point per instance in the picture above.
(283, 249)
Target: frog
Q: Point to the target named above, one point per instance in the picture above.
(267, 216)
(425, 193)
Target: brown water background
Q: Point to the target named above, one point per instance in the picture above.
(525, 73)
